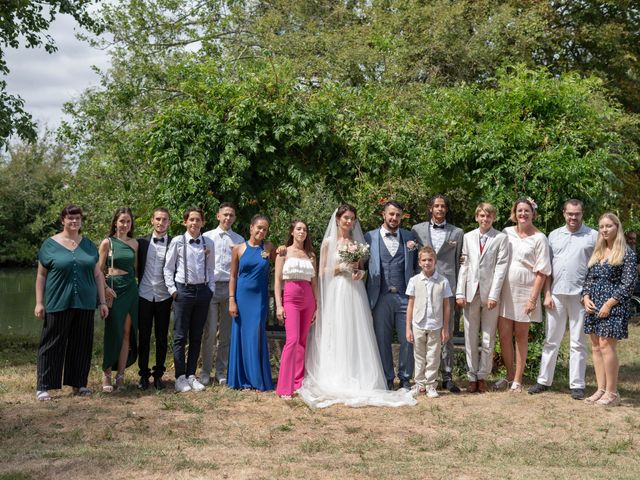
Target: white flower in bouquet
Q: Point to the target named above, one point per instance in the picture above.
(353, 252)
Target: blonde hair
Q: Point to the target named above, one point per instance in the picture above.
(487, 208)
(619, 244)
(427, 250)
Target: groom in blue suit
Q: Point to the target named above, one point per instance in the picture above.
(392, 263)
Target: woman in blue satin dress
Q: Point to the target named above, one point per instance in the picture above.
(249, 366)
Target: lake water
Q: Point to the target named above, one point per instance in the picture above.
(17, 302)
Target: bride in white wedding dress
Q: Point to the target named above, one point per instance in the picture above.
(342, 363)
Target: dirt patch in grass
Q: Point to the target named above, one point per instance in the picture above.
(220, 433)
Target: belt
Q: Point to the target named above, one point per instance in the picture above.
(393, 290)
(191, 284)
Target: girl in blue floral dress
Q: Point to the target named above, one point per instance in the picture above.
(605, 295)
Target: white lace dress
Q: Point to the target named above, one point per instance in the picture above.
(342, 362)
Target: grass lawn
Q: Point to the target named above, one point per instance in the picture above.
(220, 433)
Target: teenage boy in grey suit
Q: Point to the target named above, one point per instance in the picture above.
(392, 262)
(446, 240)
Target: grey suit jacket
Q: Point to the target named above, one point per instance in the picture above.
(485, 270)
(449, 254)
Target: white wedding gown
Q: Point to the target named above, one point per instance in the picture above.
(342, 363)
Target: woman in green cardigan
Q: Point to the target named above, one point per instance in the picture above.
(69, 284)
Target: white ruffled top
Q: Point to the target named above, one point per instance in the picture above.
(298, 268)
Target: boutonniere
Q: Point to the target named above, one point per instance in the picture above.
(206, 252)
(452, 242)
(265, 254)
(411, 246)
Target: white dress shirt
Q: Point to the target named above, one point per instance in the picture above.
(570, 253)
(200, 265)
(390, 241)
(223, 242)
(152, 286)
(437, 235)
(429, 322)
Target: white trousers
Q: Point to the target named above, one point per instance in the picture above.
(566, 307)
(479, 320)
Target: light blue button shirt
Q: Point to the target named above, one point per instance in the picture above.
(570, 253)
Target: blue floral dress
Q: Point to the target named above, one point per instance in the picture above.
(603, 282)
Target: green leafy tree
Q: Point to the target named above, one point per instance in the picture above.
(30, 176)
(28, 20)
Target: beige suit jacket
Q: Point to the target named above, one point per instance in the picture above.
(485, 271)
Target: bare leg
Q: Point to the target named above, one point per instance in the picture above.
(505, 330)
(124, 350)
(598, 362)
(522, 347)
(610, 362)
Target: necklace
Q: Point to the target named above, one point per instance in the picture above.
(73, 243)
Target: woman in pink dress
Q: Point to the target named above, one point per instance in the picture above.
(296, 307)
(529, 265)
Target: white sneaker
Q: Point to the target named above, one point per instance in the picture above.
(222, 381)
(195, 385)
(205, 378)
(432, 392)
(182, 385)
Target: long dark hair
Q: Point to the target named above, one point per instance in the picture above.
(307, 246)
(114, 220)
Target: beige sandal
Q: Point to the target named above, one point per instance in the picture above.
(595, 397)
(106, 383)
(609, 399)
(120, 380)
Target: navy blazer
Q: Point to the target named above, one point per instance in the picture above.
(143, 248)
(374, 279)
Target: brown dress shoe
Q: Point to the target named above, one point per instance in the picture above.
(473, 387)
(482, 386)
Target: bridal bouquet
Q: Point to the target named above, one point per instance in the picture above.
(353, 252)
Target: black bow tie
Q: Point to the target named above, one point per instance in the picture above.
(435, 225)
(156, 240)
(391, 234)
(197, 240)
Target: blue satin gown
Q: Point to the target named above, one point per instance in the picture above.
(249, 365)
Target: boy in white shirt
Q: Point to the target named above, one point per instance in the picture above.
(427, 320)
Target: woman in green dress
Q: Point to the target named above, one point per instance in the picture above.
(118, 257)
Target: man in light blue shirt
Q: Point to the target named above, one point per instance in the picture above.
(218, 326)
(571, 248)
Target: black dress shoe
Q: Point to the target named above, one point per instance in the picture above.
(577, 393)
(158, 383)
(538, 388)
(449, 385)
(405, 384)
(143, 384)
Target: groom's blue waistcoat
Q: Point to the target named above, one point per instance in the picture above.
(391, 269)
(383, 274)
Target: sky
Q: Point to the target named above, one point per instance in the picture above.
(46, 81)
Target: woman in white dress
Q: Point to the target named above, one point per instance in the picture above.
(529, 265)
(342, 361)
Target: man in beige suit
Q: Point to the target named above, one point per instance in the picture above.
(486, 256)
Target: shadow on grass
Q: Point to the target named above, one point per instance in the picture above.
(628, 376)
